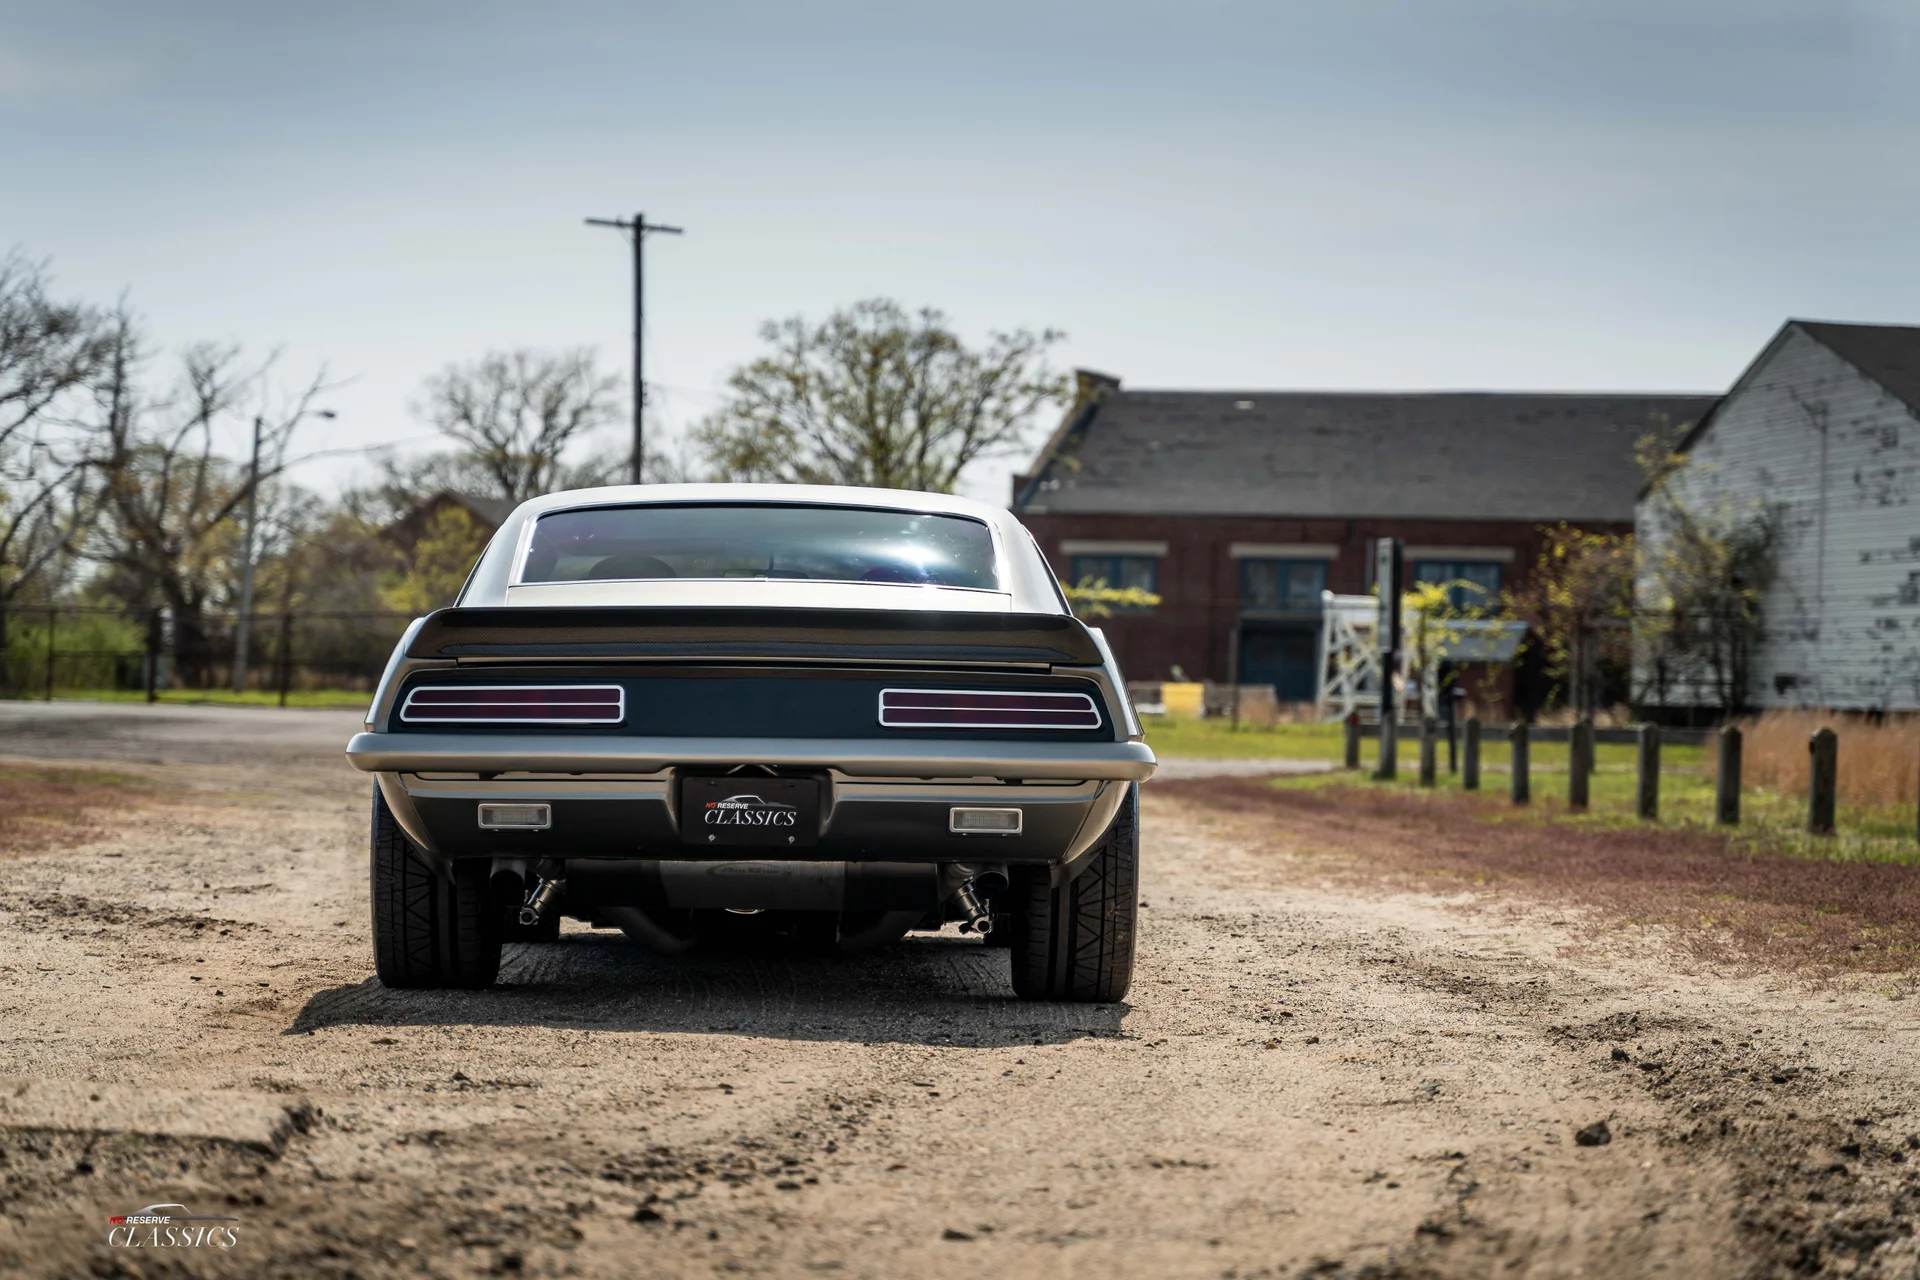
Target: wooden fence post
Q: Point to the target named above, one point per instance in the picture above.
(1352, 730)
(1521, 779)
(1823, 750)
(1429, 740)
(1647, 794)
(1470, 763)
(1726, 787)
(1579, 762)
(1389, 756)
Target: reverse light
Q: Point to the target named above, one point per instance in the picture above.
(984, 822)
(516, 704)
(516, 817)
(975, 709)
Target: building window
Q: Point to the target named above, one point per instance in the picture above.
(1282, 584)
(1481, 574)
(1119, 572)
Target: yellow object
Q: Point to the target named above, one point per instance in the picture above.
(1187, 701)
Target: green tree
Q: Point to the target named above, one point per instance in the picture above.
(441, 560)
(876, 396)
(1578, 607)
(1093, 598)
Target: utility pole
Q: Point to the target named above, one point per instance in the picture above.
(243, 625)
(638, 229)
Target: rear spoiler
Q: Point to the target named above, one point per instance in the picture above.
(810, 634)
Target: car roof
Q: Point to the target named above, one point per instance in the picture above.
(826, 495)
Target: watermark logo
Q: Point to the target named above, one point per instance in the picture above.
(170, 1226)
(750, 811)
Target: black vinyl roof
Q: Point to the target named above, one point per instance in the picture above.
(1446, 455)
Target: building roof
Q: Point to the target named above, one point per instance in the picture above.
(1443, 455)
(1887, 353)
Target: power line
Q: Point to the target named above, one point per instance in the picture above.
(638, 229)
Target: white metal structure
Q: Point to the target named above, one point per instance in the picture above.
(1349, 675)
(1350, 656)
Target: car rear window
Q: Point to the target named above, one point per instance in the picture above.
(761, 540)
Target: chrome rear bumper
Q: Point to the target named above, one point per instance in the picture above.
(867, 758)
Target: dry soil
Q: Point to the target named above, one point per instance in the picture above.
(1312, 1076)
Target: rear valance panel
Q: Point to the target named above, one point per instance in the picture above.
(856, 635)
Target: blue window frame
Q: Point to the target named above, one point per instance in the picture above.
(1294, 585)
(1119, 572)
(1484, 574)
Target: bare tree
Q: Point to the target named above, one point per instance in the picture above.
(516, 414)
(875, 396)
(169, 496)
(49, 351)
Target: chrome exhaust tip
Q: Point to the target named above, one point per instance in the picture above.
(975, 915)
(540, 901)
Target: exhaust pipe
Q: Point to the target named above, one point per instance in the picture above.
(540, 901)
(975, 915)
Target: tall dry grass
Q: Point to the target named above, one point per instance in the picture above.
(1879, 762)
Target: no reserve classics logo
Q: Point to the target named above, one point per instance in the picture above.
(750, 811)
(158, 1227)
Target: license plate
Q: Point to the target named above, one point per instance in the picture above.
(778, 812)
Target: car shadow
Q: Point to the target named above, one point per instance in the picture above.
(927, 991)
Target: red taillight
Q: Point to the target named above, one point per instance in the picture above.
(972, 709)
(516, 704)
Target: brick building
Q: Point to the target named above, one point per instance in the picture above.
(1238, 508)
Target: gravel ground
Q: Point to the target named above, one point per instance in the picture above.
(1311, 1077)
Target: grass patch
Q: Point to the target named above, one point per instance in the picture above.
(1771, 823)
(52, 808)
(220, 697)
(1221, 740)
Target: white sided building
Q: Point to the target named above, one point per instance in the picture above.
(1823, 429)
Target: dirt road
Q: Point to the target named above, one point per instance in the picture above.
(1309, 1078)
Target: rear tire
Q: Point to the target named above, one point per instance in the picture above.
(1077, 942)
(429, 930)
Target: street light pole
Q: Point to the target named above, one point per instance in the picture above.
(243, 625)
(639, 228)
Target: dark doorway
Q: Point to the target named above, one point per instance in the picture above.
(1284, 657)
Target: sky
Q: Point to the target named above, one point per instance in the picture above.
(1371, 195)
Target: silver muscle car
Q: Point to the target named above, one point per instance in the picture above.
(682, 711)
